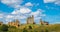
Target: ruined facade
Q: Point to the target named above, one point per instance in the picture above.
(30, 20)
(1, 23)
(43, 22)
(15, 23)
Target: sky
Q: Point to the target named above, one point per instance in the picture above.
(47, 10)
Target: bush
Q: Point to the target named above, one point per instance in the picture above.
(42, 30)
(24, 30)
(30, 27)
(4, 28)
(46, 30)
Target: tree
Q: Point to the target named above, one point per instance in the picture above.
(30, 27)
(4, 28)
(24, 30)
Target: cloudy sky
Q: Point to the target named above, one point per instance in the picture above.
(47, 10)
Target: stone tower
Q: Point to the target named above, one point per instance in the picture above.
(43, 22)
(30, 20)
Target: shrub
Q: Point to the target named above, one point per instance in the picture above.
(24, 30)
(30, 27)
(42, 30)
(46, 30)
(4, 28)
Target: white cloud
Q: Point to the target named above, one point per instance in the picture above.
(9, 2)
(28, 4)
(22, 17)
(37, 18)
(15, 12)
(19, 17)
(35, 13)
(16, 6)
(56, 22)
(57, 2)
(9, 16)
(25, 10)
(52, 1)
(22, 10)
(38, 14)
(49, 1)
(12, 3)
(1, 15)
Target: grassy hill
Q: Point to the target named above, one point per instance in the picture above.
(35, 28)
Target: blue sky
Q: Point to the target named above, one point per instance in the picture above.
(47, 10)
